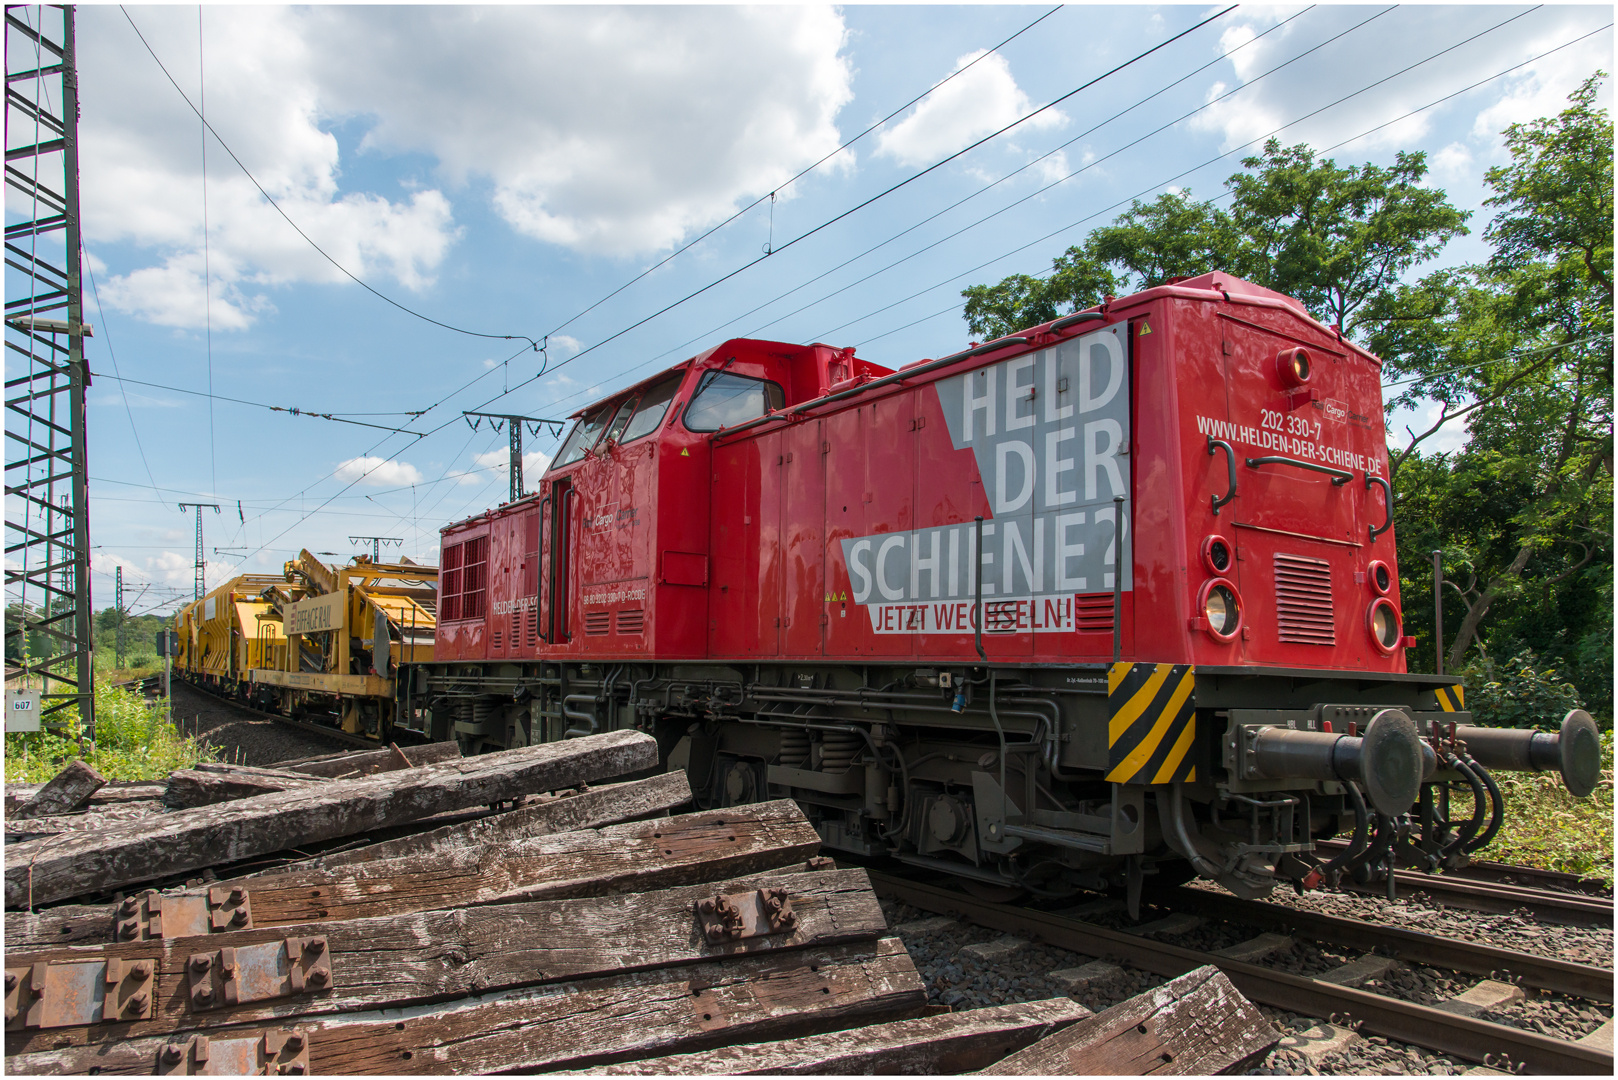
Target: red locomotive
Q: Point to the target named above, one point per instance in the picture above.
(1113, 596)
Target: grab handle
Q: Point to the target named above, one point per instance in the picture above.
(1387, 494)
(1339, 477)
(1215, 445)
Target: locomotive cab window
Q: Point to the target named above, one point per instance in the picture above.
(653, 405)
(725, 400)
(584, 436)
(615, 433)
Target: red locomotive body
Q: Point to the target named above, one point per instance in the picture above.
(1113, 593)
(848, 530)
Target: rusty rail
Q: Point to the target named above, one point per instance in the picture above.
(1565, 908)
(1543, 973)
(1526, 877)
(1419, 1025)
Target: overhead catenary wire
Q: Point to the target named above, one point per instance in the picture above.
(536, 345)
(290, 410)
(805, 172)
(1211, 161)
(893, 188)
(955, 205)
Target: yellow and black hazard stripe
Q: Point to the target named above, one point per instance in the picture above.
(1452, 698)
(1152, 722)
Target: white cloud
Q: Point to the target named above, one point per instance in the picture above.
(1383, 49)
(612, 130)
(970, 106)
(142, 178)
(1452, 164)
(494, 464)
(377, 472)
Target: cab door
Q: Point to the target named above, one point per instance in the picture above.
(1299, 523)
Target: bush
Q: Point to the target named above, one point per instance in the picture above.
(134, 741)
(1519, 693)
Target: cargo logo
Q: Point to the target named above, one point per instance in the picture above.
(1050, 435)
(1336, 411)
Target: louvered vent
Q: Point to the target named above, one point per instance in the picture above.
(597, 622)
(1093, 613)
(631, 622)
(1303, 608)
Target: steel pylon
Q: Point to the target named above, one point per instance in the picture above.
(49, 635)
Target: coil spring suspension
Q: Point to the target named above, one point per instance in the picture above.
(838, 749)
(794, 749)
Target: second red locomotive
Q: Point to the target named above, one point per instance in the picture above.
(1113, 596)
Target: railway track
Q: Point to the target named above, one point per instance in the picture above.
(1424, 1026)
(1531, 877)
(334, 734)
(1547, 905)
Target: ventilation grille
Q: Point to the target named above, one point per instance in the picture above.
(1092, 613)
(597, 623)
(1303, 608)
(631, 622)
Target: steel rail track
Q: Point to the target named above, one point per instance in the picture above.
(1411, 946)
(1548, 906)
(1528, 877)
(1418, 1025)
(335, 734)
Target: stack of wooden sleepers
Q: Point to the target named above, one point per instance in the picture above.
(410, 911)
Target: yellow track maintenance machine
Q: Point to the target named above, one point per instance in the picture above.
(322, 643)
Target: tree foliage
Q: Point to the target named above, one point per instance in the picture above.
(1518, 348)
(1333, 236)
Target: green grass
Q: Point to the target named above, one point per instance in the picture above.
(134, 741)
(1548, 828)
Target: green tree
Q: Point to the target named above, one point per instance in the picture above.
(1336, 237)
(1520, 348)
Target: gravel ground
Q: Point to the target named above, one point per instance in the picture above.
(1576, 944)
(965, 982)
(243, 736)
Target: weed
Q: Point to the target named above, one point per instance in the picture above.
(134, 741)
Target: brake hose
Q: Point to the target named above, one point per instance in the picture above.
(1497, 805)
(1356, 844)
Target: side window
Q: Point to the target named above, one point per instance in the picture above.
(725, 400)
(584, 437)
(621, 421)
(653, 405)
(449, 584)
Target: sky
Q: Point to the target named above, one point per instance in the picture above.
(463, 195)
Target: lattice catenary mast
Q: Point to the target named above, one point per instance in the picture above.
(47, 546)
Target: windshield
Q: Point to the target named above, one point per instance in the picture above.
(725, 400)
(583, 437)
(653, 405)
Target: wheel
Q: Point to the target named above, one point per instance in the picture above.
(993, 894)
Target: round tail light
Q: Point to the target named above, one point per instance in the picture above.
(1294, 366)
(1382, 620)
(1217, 555)
(1220, 608)
(1380, 577)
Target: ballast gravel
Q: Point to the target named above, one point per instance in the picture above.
(242, 736)
(963, 977)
